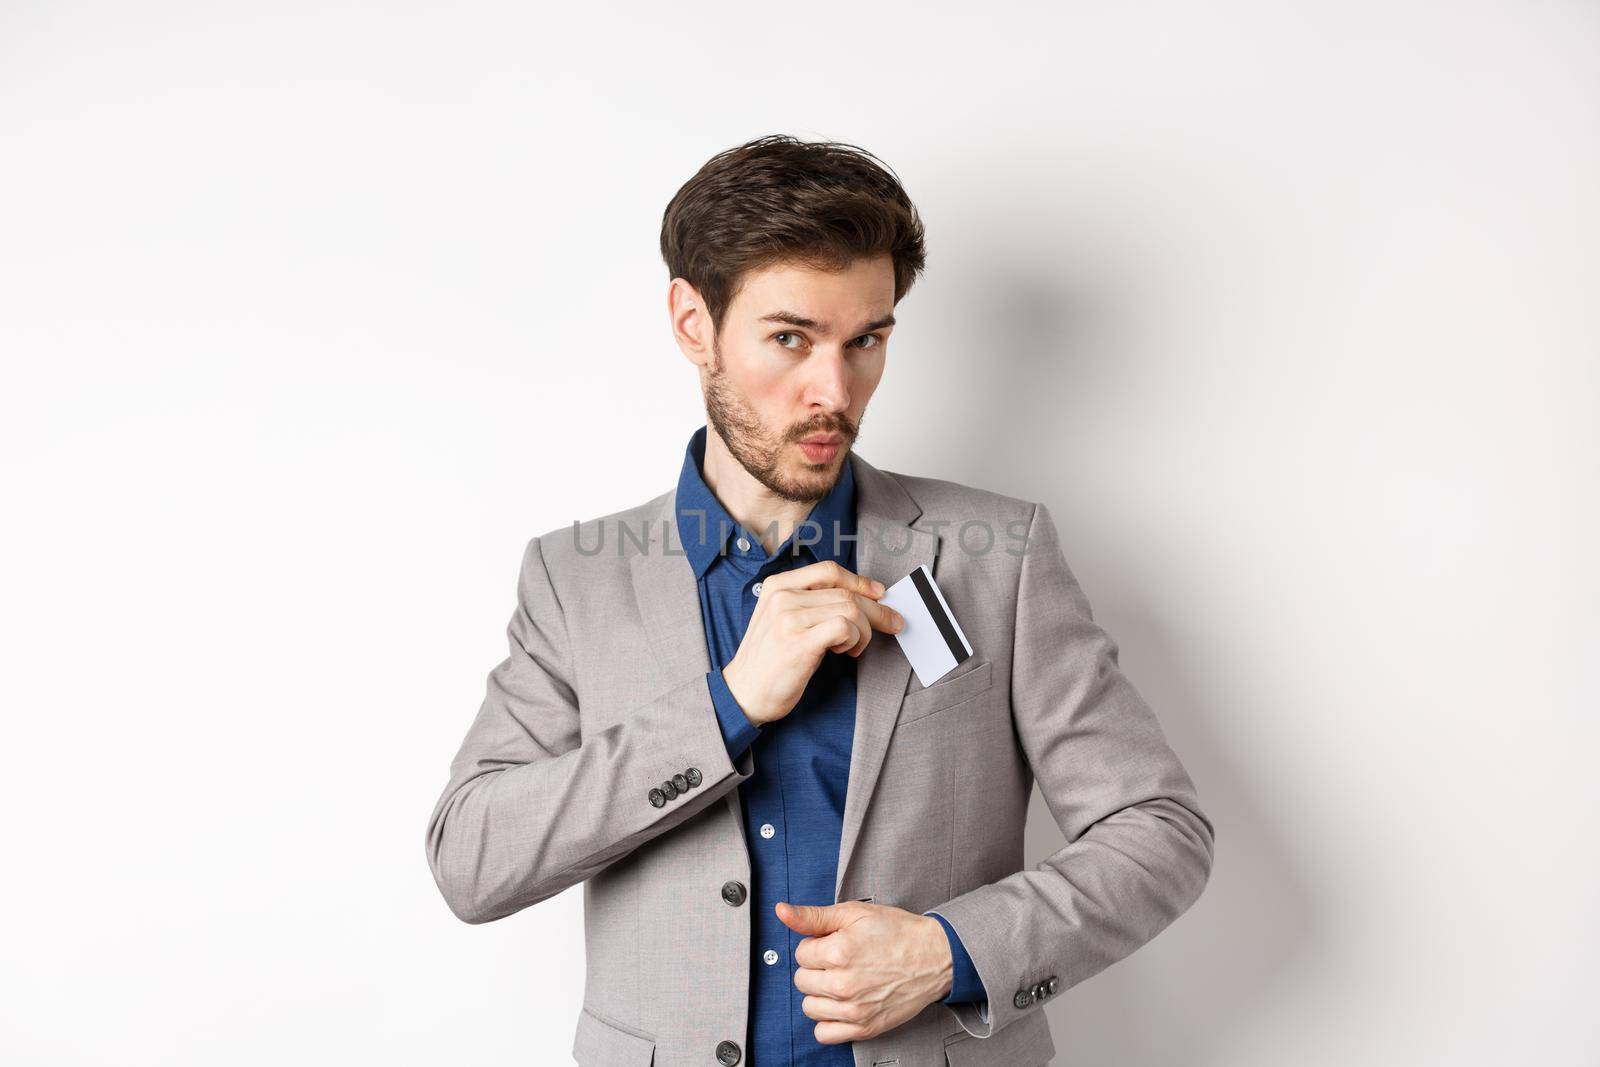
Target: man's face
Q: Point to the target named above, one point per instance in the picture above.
(799, 355)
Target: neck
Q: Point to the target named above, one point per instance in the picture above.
(764, 513)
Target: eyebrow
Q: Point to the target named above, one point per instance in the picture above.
(789, 318)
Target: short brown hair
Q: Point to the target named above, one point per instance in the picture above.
(778, 199)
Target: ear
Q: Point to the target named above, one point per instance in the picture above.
(691, 324)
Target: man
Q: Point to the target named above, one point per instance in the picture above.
(792, 851)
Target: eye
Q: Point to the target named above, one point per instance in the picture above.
(874, 340)
(786, 333)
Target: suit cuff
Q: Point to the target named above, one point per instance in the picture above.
(965, 985)
(738, 732)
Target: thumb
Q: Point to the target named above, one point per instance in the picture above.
(810, 918)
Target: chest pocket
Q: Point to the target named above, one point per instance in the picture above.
(946, 693)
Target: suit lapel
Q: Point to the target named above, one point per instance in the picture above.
(888, 549)
(669, 597)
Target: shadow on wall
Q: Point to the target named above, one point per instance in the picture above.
(1066, 348)
(1173, 1002)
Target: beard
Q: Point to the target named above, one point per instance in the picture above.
(760, 452)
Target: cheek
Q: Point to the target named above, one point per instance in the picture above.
(769, 392)
(757, 372)
(758, 380)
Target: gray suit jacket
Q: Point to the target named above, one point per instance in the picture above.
(603, 698)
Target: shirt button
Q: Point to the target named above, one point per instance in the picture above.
(770, 956)
(767, 830)
(756, 589)
(744, 544)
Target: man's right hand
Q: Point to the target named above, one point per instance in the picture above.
(801, 615)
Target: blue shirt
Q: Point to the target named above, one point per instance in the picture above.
(794, 802)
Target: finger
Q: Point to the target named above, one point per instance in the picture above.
(877, 616)
(812, 616)
(873, 616)
(825, 574)
(881, 616)
(809, 955)
(815, 980)
(826, 1009)
(832, 1033)
(836, 632)
(810, 597)
(865, 629)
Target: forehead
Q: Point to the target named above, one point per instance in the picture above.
(841, 299)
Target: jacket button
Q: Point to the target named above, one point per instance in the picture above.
(680, 783)
(1039, 991)
(657, 797)
(727, 1053)
(1022, 999)
(693, 774)
(1050, 986)
(669, 789)
(733, 893)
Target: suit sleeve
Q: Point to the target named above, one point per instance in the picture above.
(1139, 848)
(532, 806)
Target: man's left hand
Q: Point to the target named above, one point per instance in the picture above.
(866, 968)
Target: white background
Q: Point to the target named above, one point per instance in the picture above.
(312, 313)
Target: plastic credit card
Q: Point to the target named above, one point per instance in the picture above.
(932, 639)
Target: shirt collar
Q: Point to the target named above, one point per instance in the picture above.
(704, 525)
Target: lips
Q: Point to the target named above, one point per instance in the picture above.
(820, 448)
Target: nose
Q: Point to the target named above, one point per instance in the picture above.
(828, 385)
